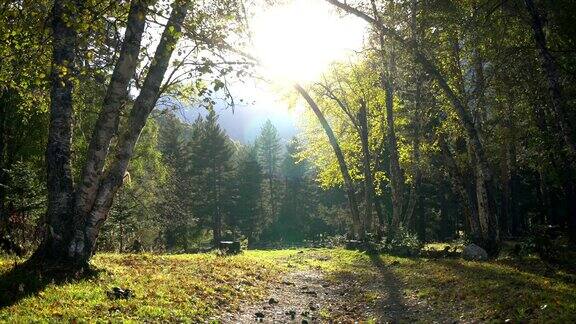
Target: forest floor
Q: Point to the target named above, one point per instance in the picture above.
(308, 285)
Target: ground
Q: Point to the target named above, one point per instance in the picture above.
(313, 285)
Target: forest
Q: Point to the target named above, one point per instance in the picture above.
(430, 177)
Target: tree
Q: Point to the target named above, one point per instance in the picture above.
(358, 228)
(174, 207)
(298, 207)
(488, 235)
(247, 214)
(268, 145)
(77, 212)
(210, 165)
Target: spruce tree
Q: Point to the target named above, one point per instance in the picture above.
(249, 177)
(210, 153)
(268, 144)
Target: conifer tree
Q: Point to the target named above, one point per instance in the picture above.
(268, 144)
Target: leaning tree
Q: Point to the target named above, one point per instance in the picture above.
(77, 209)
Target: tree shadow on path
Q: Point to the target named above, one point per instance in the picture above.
(392, 304)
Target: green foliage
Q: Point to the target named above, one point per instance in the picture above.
(403, 243)
(247, 216)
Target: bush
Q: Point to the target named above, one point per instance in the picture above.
(403, 243)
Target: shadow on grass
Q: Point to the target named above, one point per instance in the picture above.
(394, 304)
(27, 279)
(561, 272)
(514, 295)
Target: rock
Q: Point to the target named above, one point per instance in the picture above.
(310, 292)
(119, 293)
(272, 301)
(368, 247)
(474, 252)
(291, 313)
(313, 306)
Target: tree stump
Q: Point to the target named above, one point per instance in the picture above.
(229, 247)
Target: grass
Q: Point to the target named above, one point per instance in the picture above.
(196, 288)
(518, 290)
(168, 288)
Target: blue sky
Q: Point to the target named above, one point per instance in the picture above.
(244, 121)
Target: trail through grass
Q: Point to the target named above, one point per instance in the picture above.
(197, 288)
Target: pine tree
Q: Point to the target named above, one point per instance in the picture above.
(268, 144)
(210, 153)
(248, 212)
(297, 219)
(175, 208)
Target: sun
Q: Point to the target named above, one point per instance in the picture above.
(296, 41)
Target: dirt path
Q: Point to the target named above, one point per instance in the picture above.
(308, 297)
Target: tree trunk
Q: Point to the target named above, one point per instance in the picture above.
(415, 196)
(415, 199)
(217, 217)
(487, 212)
(58, 152)
(107, 124)
(72, 238)
(560, 111)
(509, 208)
(417, 36)
(381, 219)
(83, 247)
(466, 198)
(3, 139)
(558, 101)
(396, 178)
(368, 180)
(357, 223)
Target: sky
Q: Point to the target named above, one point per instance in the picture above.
(295, 42)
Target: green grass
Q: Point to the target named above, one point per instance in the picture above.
(519, 290)
(171, 288)
(197, 287)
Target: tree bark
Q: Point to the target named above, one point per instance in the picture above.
(107, 124)
(83, 247)
(58, 151)
(466, 198)
(3, 139)
(396, 178)
(368, 180)
(560, 111)
(353, 204)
